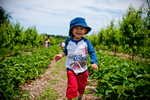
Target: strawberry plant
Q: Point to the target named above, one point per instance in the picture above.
(121, 79)
(21, 69)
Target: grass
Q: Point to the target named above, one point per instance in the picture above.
(89, 83)
(48, 94)
(58, 64)
(55, 70)
(53, 81)
(64, 77)
(87, 91)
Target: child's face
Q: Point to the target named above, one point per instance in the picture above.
(78, 32)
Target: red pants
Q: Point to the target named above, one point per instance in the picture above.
(76, 83)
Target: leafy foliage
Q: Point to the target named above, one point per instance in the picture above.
(4, 16)
(133, 28)
(131, 35)
(21, 69)
(121, 79)
(14, 35)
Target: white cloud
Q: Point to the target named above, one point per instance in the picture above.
(56, 14)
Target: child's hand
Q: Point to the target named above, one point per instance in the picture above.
(94, 66)
(57, 57)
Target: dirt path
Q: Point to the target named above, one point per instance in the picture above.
(125, 56)
(61, 85)
(56, 76)
(38, 86)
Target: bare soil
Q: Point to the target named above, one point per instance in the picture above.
(37, 87)
(126, 56)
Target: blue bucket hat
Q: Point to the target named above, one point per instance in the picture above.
(78, 21)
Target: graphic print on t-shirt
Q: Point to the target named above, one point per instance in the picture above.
(78, 65)
(75, 65)
(80, 59)
(84, 50)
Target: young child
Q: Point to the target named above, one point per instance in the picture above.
(62, 45)
(76, 48)
(45, 43)
(48, 40)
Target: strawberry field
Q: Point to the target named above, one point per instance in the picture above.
(23, 69)
(121, 79)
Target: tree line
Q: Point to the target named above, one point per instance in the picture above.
(131, 35)
(15, 37)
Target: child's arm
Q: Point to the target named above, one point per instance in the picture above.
(92, 55)
(58, 57)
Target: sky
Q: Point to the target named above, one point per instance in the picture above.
(53, 16)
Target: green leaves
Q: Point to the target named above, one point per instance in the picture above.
(21, 69)
(121, 79)
(131, 35)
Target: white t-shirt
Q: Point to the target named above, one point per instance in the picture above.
(76, 51)
(63, 44)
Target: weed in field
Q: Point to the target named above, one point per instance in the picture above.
(53, 81)
(64, 77)
(48, 94)
(87, 91)
(89, 83)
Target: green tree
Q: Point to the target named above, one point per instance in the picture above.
(34, 37)
(113, 36)
(107, 37)
(93, 39)
(28, 35)
(101, 38)
(6, 42)
(133, 29)
(4, 16)
(42, 40)
(53, 40)
(19, 35)
(5, 32)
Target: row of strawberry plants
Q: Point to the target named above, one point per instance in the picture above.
(21, 69)
(121, 79)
